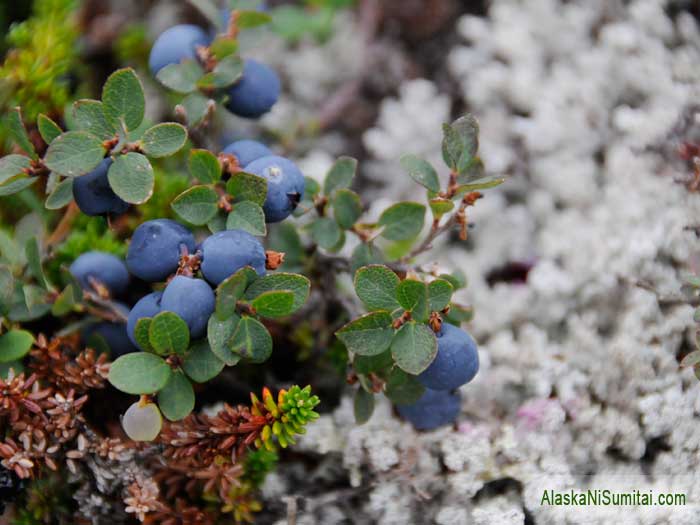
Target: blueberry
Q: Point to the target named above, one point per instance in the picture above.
(148, 306)
(155, 249)
(246, 151)
(255, 92)
(434, 409)
(456, 362)
(226, 252)
(191, 299)
(94, 195)
(102, 267)
(285, 185)
(175, 45)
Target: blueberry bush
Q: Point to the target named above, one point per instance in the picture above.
(147, 294)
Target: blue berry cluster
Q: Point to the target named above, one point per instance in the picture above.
(456, 363)
(251, 96)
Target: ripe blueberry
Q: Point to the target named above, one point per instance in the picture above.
(175, 45)
(456, 362)
(94, 195)
(226, 252)
(148, 306)
(103, 268)
(285, 185)
(192, 299)
(155, 249)
(246, 151)
(255, 92)
(434, 409)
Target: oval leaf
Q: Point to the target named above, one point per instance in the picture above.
(182, 77)
(413, 296)
(200, 363)
(368, 335)
(402, 221)
(14, 345)
(74, 153)
(247, 216)
(48, 129)
(295, 283)
(440, 293)
(363, 406)
(421, 171)
(168, 334)
(218, 334)
(325, 232)
(414, 347)
(340, 175)
(163, 140)
(376, 287)
(61, 195)
(251, 340)
(274, 304)
(131, 177)
(89, 116)
(198, 205)
(139, 373)
(204, 166)
(347, 208)
(123, 99)
(176, 398)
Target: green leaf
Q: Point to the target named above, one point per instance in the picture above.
(74, 153)
(225, 73)
(181, 78)
(11, 166)
(440, 207)
(251, 340)
(347, 208)
(247, 187)
(17, 185)
(218, 334)
(7, 288)
(298, 284)
(231, 290)
(204, 166)
(325, 232)
(402, 388)
(421, 171)
(247, 216)
(131, 177)
(163, 140)
(364, 254)
(139, 373)
(376, 287)
(368, 335)
(31, 248)
(363, 406)
(483, 184)
(18, 133)
(414, 347)
(440, 293)
(195, 107)
(197, 205)
(176, 398)
(169, 334)
(61, 195)
(365, 364)
(402, 221)
(141, 334)
(201, 364)
(460, 143)
(48, 129)
(340, 175)
(249, 19)
(413, 296)
(123, 99)
(14, 345)
(475, 170)
(274, 304)
(223, 46)
(89, 116)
